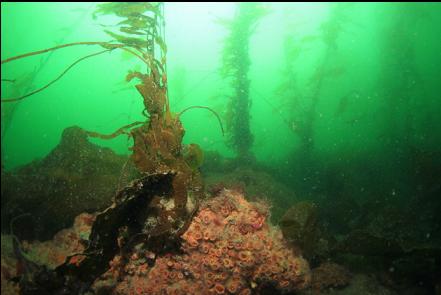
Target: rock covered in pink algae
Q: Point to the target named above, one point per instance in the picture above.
(229, 248)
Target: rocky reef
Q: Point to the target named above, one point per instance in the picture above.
(254, 181)
(391, 244)
(228, 248)
(75, 177)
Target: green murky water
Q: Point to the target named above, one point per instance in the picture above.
(339, 101)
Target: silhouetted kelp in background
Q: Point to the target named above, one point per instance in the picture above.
(235, 66)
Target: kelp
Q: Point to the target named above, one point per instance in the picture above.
(126, 9)
(138, 22)
(209, 109)
(154, 96)
(129, 41)
(241, 27)
(301, 102)
(118, 132)
(194, 156)
(157, 144)
(104, 44)
(107, 45)
(56, 79)
(20, 86)
(141, 25)
(235, 66)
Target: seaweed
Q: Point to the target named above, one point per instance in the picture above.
(126, 9)
(157, 144)
(22, 87)
(235, 66)
(153, 86)
(157, 141)
(56, 79)
(299, 103)
(194, 156)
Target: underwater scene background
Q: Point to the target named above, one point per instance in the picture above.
(221, 148)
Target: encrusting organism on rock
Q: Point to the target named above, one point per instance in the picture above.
(228, 248)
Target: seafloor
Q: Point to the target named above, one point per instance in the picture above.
(250, 234)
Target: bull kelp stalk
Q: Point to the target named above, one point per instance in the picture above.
(235, 67)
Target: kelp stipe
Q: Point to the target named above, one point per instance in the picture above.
(235, 66)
